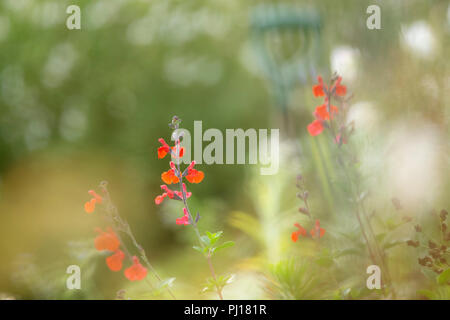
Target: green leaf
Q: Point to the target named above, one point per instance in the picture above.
(213, 237)
(210, 285)
(223, 246)
(206, 240)
(167, 283)
(444, 277)
(197, 248)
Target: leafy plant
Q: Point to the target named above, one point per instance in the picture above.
(208, 242)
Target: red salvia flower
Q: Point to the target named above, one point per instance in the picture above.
(315, 128)
(180, 194)
(326, 111)
(170, 193)
(115, 261)
(193, 175)
(173, 175)
(160, 198)
(185, 219)
(340, 90)
(164, 149)
(97, 198)
(169, 176)
(136, 272)
(89, 206)
(180, 153)
(340, 139)
(318, 89)
(300, 232)
(106, 240)
(323, 114)
(317, 230)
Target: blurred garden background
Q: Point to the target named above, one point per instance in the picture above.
(81, 106)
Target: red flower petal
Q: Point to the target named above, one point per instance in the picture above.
(98, 198)
(114, 262)
(159, 199)
(162, 151)
(340, 90)
(106, 241)
(183, 220)
(317, 230)
(301, 230)
(136, 272)
(318, 90)
(169, 177)
(322, 113)
(315, 128)
(89, 206)
(195, 176)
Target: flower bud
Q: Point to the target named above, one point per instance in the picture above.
(304, 210)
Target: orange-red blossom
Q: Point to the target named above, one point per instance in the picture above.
(322, 113)
(136, 272)
(172, 176)
(89, 206)
(315, 232)
(109, 241)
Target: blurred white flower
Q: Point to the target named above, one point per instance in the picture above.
(364, 116)
(414, 163)
(344, 61)
(141, 32)
(48, 13)
(12, 85)
(59, 64)
(72, 124)
(17, 5)
(419, 38)
(100, 13)
(37, 134)
(184, 70)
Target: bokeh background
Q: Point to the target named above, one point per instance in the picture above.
(81, 106)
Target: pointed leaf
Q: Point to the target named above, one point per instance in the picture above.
(223, 246)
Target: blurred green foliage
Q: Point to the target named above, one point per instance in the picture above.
(81, 106)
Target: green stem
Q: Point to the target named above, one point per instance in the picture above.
(194, 225)
(125, 227)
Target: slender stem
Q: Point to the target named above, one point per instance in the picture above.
(211, 268)
(194, 223)
(355, 189)
(125, 227)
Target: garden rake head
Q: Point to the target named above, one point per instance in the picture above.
(287, 43)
